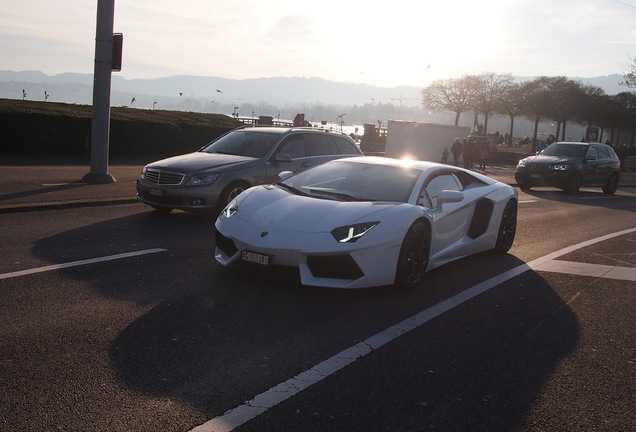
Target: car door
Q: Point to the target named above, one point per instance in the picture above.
(591, 167)
(605, 168)
(451, 221)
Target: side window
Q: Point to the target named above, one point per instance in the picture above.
(592, 153)
(294, 146)
(441, 183)
(604, 153)
(346, 146)
(318, 144)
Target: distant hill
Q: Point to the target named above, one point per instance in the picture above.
(275, 91)
(77, 88)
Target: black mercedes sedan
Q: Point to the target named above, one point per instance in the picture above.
(570, 166)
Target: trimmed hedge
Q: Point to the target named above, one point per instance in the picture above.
(55, 129)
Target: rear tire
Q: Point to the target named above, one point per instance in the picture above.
(507, 228)
(414, 256)
(612, 184)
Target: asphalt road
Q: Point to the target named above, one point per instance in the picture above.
(151, 335)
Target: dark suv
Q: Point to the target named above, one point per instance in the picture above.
(570, 165)
(247, 156)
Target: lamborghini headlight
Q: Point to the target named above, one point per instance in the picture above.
(351, 233)
(202, 180)
(230, 210)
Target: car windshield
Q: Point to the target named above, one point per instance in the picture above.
(571, 150)
(351, 181)
(243, 143)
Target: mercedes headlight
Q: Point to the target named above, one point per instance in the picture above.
(202, 179)
(351, 233)
(559, 167)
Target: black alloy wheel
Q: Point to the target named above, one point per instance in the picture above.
(507, 228)
(612, 184)
(414, 256)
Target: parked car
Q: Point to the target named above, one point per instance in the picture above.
(569, 166)
(362, 222)
(211, 177)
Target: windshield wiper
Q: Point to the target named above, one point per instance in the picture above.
(340, 195)
(292, 189)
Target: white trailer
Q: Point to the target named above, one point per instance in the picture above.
(422, 141)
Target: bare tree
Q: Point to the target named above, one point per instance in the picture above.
(489, 90)
(455, 95)
(630, 76)
(512, 104)
(537, 102)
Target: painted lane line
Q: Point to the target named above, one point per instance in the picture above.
(240, 415)
(79, 263)
(584, 269)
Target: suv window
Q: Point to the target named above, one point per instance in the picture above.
(605, 152)
(324, 143)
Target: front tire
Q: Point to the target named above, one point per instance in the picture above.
(414, 256)
(229, 193)
(574, 183)
(507, 228)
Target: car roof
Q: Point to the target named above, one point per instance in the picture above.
(577, 142)
(379, 160)
(284, 129)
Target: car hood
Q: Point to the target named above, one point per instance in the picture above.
(200, 161)
(273, 207)
(549, 160)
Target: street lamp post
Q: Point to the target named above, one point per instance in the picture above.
(100, 126)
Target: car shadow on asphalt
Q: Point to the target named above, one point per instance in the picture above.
(41, 191)
(586, 197)
(213, 338)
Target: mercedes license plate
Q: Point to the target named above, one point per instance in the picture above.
(255, 258)
(156, 192)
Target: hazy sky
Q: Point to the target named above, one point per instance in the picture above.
(377, 43)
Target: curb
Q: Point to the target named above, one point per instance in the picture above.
(61, 205)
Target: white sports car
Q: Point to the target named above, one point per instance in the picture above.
(362, 222)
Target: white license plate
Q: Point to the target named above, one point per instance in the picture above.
(157, 192)
(255, 258)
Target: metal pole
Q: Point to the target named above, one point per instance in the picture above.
(100, 128)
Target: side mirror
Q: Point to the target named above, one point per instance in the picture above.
(448, 196)
(284, 174)
(283, 157)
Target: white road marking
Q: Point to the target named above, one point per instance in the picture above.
(242, 414)
(78, 263)
(584, 269)
(527, 201)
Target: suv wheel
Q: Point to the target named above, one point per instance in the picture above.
(611, 185)
(574, 184)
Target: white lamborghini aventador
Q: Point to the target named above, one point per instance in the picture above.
(371, 221)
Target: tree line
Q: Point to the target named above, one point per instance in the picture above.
(558, 99)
